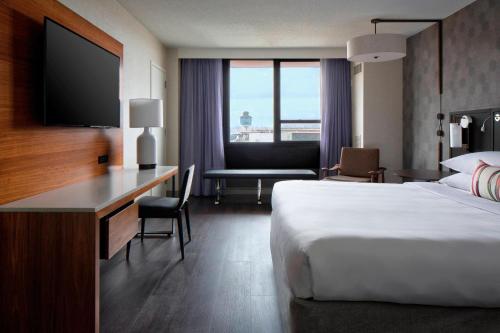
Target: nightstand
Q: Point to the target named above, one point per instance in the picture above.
(411, 175)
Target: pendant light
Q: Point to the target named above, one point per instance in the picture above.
(386, 47)
(376, 47)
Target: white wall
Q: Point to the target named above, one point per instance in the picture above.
(357, 107)
(378, 111)
(140, 48)
(172, 119)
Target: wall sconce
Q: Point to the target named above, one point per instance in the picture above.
(484, 123)
(456, 135)
(465, 121)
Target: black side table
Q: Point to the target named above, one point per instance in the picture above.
(421, 175)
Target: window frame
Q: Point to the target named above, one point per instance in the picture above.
(277, 121)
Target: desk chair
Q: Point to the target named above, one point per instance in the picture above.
(165, 207)
(357, 165)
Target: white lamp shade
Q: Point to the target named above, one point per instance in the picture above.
(455, 135)
(145, 112)
(376, 48)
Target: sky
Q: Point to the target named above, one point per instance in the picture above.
(251, 89)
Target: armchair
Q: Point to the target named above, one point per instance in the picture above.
(357, 165)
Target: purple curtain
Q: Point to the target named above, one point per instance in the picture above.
(201, 135)
(336, 119)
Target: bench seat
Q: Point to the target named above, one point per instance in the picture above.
(261, 173)
(258, 174)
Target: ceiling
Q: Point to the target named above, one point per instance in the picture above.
(279, 23)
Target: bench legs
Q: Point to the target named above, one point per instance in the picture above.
(259, 190)
(218, 191)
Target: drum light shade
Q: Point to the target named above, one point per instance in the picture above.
(145, 112)
(376, 48)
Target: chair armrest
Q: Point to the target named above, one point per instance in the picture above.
(377, 175)
(326, 171)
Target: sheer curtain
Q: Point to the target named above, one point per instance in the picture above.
(201, 134)
(336, 118)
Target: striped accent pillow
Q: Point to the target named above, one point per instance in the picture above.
(486, 181)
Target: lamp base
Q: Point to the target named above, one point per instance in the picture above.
(146, 150)
(147, 166)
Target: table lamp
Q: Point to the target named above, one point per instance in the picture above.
(147, 113)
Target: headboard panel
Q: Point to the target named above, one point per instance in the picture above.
(473, 138)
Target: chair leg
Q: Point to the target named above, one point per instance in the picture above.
(179, 231)
(143, 223)
(259, 190)
(188, 224)
(128, 250)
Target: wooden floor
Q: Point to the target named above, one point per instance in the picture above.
(225, 283)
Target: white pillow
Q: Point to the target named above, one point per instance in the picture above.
(461, 181)
(467, 163)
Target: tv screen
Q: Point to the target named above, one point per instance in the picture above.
(81, 81)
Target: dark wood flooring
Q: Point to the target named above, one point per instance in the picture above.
(225, 283)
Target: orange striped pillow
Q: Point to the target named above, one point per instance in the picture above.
(486, 181)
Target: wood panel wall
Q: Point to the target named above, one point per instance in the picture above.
(36, 158)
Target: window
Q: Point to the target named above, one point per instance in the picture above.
(251, 104)
(299, 101)
(272, 101)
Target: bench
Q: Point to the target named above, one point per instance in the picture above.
(258, 174)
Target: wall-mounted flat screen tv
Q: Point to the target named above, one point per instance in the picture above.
(81, 80)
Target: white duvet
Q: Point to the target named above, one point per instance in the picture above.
(419, 243)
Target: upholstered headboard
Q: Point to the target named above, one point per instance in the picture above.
(473, 138)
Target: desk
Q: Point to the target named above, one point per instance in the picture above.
(51, 246)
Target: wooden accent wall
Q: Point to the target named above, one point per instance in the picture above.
(36, 158)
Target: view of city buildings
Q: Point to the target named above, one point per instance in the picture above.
(289, 132)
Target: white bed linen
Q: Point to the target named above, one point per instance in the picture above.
(419, 243)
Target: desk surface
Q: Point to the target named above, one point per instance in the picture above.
(93, 194)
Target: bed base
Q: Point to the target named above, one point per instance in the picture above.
(313, 316)
(301, 316)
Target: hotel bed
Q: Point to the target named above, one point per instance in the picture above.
(385, 257)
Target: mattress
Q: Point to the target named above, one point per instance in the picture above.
(412, 243)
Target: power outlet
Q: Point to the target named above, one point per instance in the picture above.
(102, 159)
